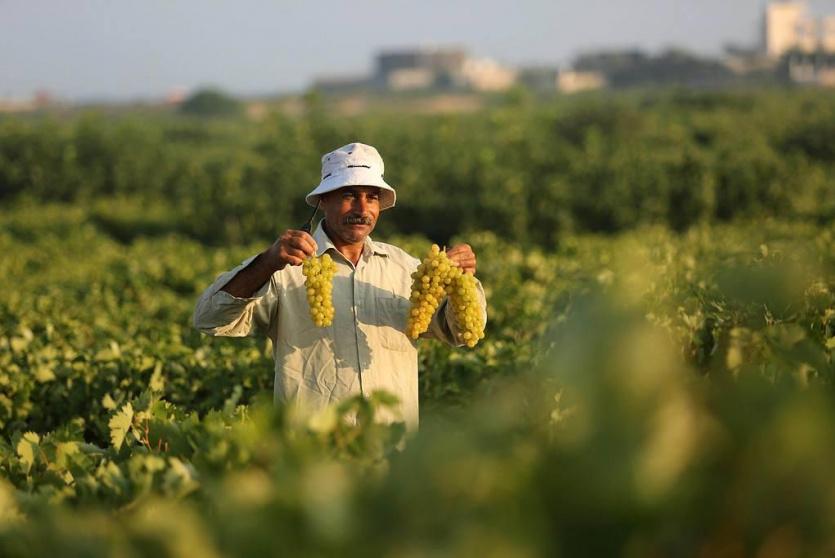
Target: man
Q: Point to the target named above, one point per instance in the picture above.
(365, 348)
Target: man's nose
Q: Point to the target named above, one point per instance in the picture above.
(360, 204)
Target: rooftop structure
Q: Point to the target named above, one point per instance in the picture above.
(788, 25)
(827, 33)
(436, 60)
(450, 68)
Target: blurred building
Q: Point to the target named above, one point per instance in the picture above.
(795, 46)
(782, 25)
(809, 68)
(40, 100)
(450, 69)
(549, 80)
(176, 95)
(404, 79)
(443, 69)
(745, 60)
(827, 33)
(484, 74)
(441, 63)
(542, 79)
(342, 84)
(789, 26)
(573, 81)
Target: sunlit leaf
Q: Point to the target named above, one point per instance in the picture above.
(120, 424)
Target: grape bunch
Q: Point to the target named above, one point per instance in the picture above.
(430, 281)
(318, 273)
(463, 295)
(436, 277)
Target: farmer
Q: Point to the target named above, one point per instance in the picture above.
(366, 347)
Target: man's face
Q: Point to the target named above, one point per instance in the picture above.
(351, 213)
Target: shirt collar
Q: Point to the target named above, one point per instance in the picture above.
(323, 243)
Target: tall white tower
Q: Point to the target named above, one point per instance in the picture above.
(827, 33)
(786, 26)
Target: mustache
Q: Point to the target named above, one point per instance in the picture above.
(358, 220)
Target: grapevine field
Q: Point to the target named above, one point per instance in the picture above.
(656, 376)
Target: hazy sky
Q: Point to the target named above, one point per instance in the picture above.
(121, 49)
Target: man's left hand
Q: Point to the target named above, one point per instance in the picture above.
(463, 256)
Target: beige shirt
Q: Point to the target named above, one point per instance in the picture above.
(364, 350)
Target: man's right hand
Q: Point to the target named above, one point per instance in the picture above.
(292, 247)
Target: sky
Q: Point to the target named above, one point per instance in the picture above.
(132, 49)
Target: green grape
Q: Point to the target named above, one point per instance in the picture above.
(435, 278)
(463, 294)
(318, 273)
(427, 290)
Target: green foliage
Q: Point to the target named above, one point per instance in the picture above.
(649, 392)
(531, 172)
(120, 425)
(211, 102)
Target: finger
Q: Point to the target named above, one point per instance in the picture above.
(294, 256)
(293, 235)
(304, 243)
(467, 264)
(469, 268)
(460, 253)
(464, 258)
(309, 240)
(452, 253)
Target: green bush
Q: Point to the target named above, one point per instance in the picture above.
(211, 102)
(649, 392)
(531, 173)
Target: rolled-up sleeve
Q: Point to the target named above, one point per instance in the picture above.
(219, 313)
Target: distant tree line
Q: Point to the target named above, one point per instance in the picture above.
(211, 102)
(529, 172)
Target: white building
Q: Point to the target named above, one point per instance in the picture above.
(788, 25)
(572, 81)
(827, 33)
(484, 74)
(440, 68)
(404, 79)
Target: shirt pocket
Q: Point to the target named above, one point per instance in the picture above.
(392, 314)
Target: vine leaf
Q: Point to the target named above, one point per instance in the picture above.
(26, 449)
(120, 425)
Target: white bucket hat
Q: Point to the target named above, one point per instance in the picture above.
(355, 164)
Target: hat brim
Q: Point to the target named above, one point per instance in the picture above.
(354, 177)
